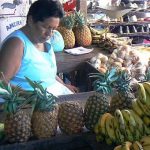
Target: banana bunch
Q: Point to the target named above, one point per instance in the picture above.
(143, 144)
(125, 125)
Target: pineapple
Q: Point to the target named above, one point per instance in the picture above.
(45, 114)
(124, 96)
(65, 29)
(98, 104)
(70, 117)
(17, 122)
(82, 32)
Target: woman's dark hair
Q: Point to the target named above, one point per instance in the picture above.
(42, 9)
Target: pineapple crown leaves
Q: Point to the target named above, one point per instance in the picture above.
(104, 82)
(68, 21)
(79, 19)
(13, 101)
(45, 100)
(123, 82)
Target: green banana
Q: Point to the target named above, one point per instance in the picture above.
(99, 138)
(137, 109)
(120, 119)
(141, 93)
(146, 130)
(120, 137)
(138, 121)
(129, 119)
(110, 129)
(146, 120)
(129, 135)
(147, 89)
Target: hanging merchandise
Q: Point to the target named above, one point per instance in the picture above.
(69, 5)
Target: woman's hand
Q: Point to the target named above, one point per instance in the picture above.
(72, 88)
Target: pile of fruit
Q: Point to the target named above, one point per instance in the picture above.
(75, 31)
(127, 124)
(123, 58)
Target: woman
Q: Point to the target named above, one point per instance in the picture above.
(27, 52)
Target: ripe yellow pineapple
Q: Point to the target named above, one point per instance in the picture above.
(98, 104)
(124, 96)
(17, 123)
(65, 29)
(70, 117)
(81, 30)
(45, 115)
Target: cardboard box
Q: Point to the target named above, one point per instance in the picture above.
(10, 24)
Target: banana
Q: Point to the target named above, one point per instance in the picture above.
(118, 147)
(129, 135)
(96, 129)
(146, 120)
(108, 141)
(119, 136)
(138, 121)
(143, 108)
(129, 119)
(145, 141)
(146, 130)
(137, 146)
(147, 89)
(102, 123)
(137, 109)
(126, 145)
(110, 128)
(97, 32)
(115, 123)
(120, 119)
(141, 93)
(137, 135)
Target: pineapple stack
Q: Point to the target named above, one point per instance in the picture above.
(81, 30)
(65, 28)
(17, 124)
(45, 115)
(124, 96)
(98, 104)
(70, 117)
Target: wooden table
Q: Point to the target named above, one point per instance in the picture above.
(67, 62)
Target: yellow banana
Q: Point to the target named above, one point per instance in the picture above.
(137, 109)
(115, 123)
(143, 108)
(137, 146)
(138, 121)
(147, 89)
(126, 145)
(120, 119)
(146, 120)
(118, 147)
(102, 122)
(141, 93)
(110, 129)
(145, 141)
(129, 119)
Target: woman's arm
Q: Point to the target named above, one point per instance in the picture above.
(10, 58)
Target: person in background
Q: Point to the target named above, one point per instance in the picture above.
(28, 52)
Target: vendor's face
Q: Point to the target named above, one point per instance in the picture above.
(42, 31)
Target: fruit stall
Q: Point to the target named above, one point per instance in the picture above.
(112, 72)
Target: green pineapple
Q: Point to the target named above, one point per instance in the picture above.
(124, 96)
(45, 115)
(17, 122)
(65, 29)
(70, 117)
(98, 104)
